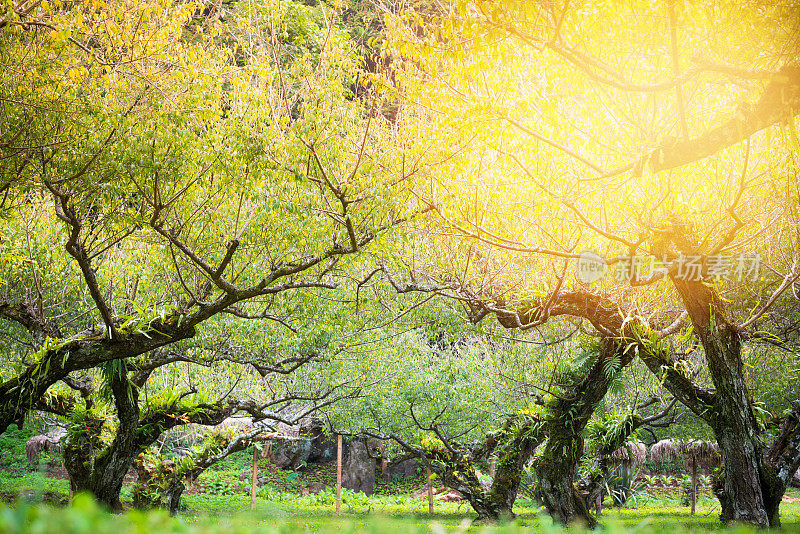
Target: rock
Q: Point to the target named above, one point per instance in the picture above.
(290, 452)
(403, 470)
(450, 496)
(795, 482)
(56, 435)
(323, 448)
(316, 487)
(358, 471)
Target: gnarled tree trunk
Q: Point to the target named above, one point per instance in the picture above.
(566, 419)
(103, 473)
(102, 470)
(514, 451)
(752, 481)
(514, 444)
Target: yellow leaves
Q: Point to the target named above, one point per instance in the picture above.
(793, 137)
(60, 36)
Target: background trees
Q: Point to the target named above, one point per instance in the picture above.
(166, 165)
(563, 131)
(204, 194)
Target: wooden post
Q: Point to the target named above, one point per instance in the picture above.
(384, 462)
(430, 491)
(694, 482)
(339, 474)
(255, 479)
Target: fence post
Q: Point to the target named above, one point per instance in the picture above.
(430, 491)
(338, 473)
(254, 482)
(694, 482)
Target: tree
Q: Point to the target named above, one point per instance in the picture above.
(181, 185)
(453, 397)
(574, 391)
(189, 171)
(552, 146)
(112, 425)
(161, 481)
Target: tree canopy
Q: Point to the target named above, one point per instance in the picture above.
(281, 208)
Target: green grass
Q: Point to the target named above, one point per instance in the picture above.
(34, 486)
(397, 513)
(16, 475)
(299, 516)
(225, 506)
(664, 514)
(12, 443)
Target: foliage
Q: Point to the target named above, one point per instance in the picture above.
(529, 485)
(625, 485)
(85, 517)
(217, 184)
(12, 443)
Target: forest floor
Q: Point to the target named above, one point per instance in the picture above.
(221, 498)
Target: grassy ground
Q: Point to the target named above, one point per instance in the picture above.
(383, 515)
(662, 513)
(17, 478)
(220, 500)
(401, 513)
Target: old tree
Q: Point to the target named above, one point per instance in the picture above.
(173, 173)
(168, 166)
(660, 136)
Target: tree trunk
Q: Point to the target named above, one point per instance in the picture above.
(593, 485)
(751, 484)
(157, 488)
(556, 473)
(782, 462)
(173, 497)
(103, 472)
(515, 449)
(163, 484)
(566, 420)
(104, 480)
(737, 433)
(514, 444)
(461, 477)
(741, 487)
